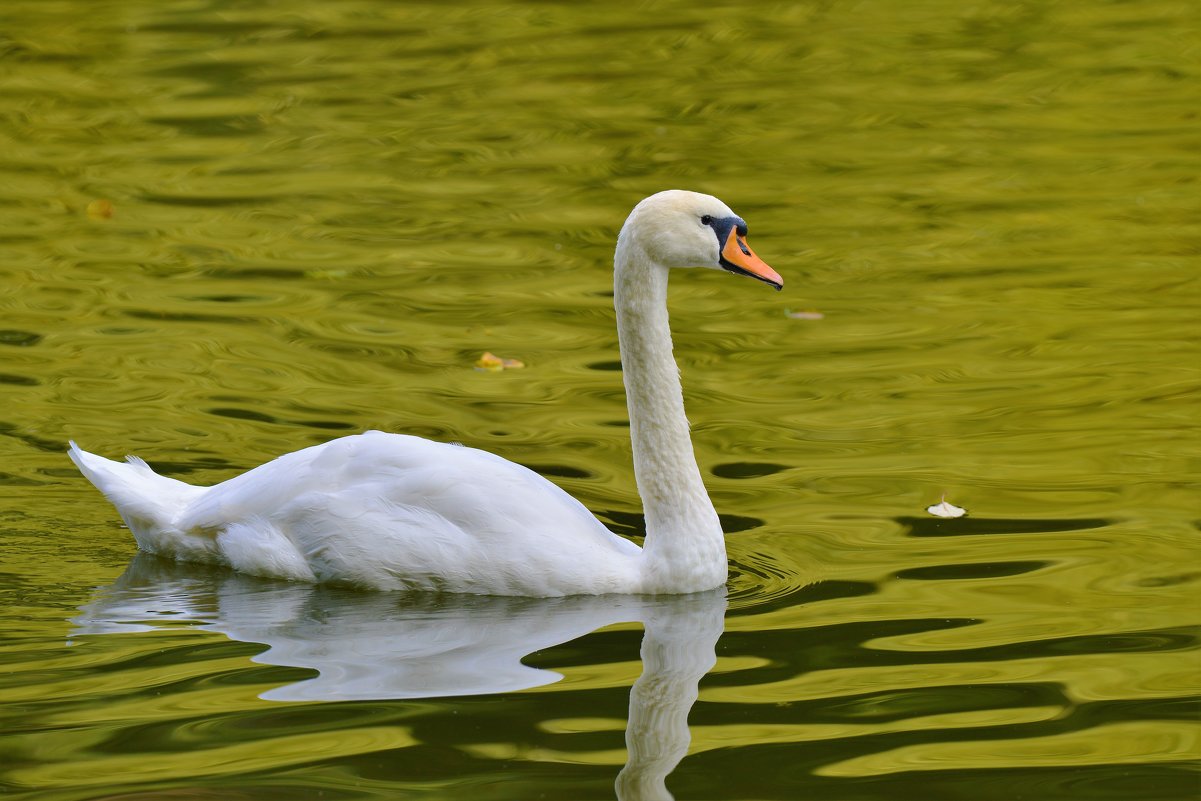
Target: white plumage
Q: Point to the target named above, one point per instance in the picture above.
(395, 512)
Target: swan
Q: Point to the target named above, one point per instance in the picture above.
(395, 512)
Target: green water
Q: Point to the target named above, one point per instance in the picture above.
(323, 213)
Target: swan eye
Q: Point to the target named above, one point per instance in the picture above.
(706, 220)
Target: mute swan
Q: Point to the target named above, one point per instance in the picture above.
(395, 512)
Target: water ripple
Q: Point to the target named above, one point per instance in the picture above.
(316, 222)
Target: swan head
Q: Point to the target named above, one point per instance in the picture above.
(677, 228)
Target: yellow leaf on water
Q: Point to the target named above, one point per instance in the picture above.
(101, 209)
(490, 362)
(494, 364)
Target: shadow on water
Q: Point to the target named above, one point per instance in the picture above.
(385, 646)
(965, 526)
(633, 524)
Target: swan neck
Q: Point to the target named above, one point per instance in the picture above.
(685, 548)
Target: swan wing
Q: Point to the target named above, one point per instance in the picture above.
(395, 511)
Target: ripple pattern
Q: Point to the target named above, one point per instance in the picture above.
(231, 230)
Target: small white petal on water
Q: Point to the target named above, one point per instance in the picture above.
(944, 509)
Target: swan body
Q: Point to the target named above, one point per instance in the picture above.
(395, 512)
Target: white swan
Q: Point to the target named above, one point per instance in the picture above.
(395, 512)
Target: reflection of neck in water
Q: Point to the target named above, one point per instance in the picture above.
(389, 646)
(677, 650)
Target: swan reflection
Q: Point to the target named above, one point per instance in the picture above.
(381, 646)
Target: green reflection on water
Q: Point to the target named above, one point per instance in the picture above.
(324, 213)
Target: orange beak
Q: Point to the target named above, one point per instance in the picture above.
(737, 256)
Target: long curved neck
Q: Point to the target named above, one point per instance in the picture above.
(685, 549)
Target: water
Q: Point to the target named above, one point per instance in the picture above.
(322, 214)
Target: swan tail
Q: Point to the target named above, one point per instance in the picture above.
(146, 501)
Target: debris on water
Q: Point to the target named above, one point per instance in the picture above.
(944, 509)
(804, 314)
(492, 363)
(101, 209)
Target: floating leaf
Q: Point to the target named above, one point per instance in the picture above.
(490, 362)
(101, 209)
(944, 509)
(494, 364)
(804, 315)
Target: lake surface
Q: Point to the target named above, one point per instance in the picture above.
(231, 230)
